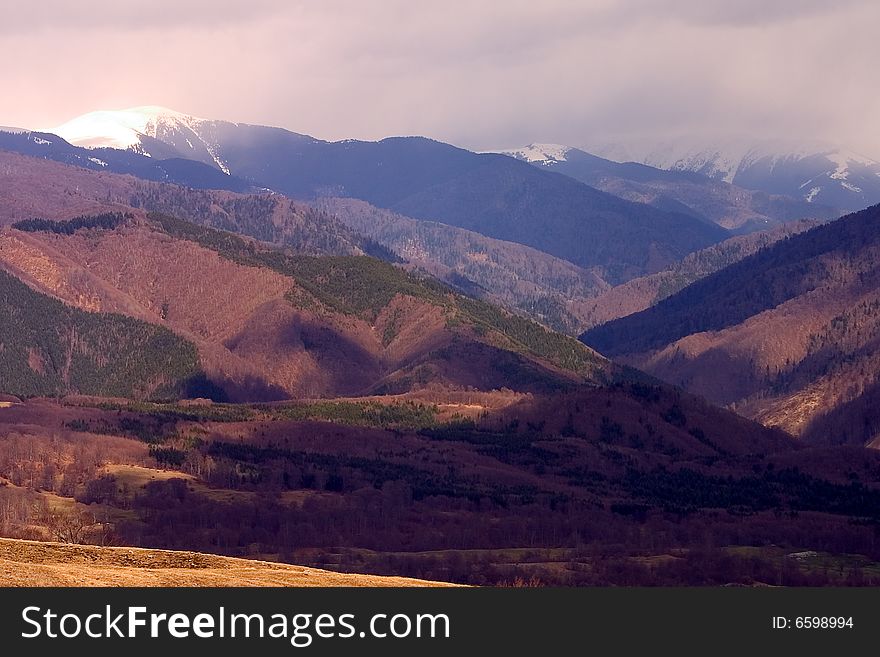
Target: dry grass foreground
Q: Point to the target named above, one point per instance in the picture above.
(32, 563)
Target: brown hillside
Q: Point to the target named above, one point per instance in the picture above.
(790, 336)
(625, 484)
(37, 188)
(641, 293)
(260, 335)
(535, 283)
(529, 281)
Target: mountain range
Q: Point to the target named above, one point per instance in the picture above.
(535, 241)
(306, 359)
(734, 207)
(821, 173)
(302, 322)
(422, 179)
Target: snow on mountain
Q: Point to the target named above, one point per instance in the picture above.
(144, 130)
(14, 131)
(119, 128)
(546, 154)
(815, 171)
(720, 159)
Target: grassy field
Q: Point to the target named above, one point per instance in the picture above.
(31, 563)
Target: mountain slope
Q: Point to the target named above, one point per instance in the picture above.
(646, 291)
(38, 188)
(154, 130)
(519, 277)
(173, 168)
(816, 172)
(270, 325)
(732, 207)
(49, 348)
(504, 199)
(425, 179)
(788, 335)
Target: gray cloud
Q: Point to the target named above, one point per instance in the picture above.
(480, 74)
(739, 12)
(90, 16)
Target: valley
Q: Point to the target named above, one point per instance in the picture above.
(629, 484)
(786, 336)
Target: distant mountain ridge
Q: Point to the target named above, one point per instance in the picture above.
(521, 278)
(424, 179)
(711, 199)
(816, 172)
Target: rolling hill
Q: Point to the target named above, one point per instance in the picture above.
(33, 563)
(464, 486)
(787, 335)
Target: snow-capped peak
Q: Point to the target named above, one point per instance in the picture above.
(120, 128)
(543, 153)
(141, 128)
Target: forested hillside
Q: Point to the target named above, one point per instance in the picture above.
(788, 335)
(526, 280)
(266, 217)
(49, 348)
(641, 293)
(364, 287)
(270, 324)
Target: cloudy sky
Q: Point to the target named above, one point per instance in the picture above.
(478, 74)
